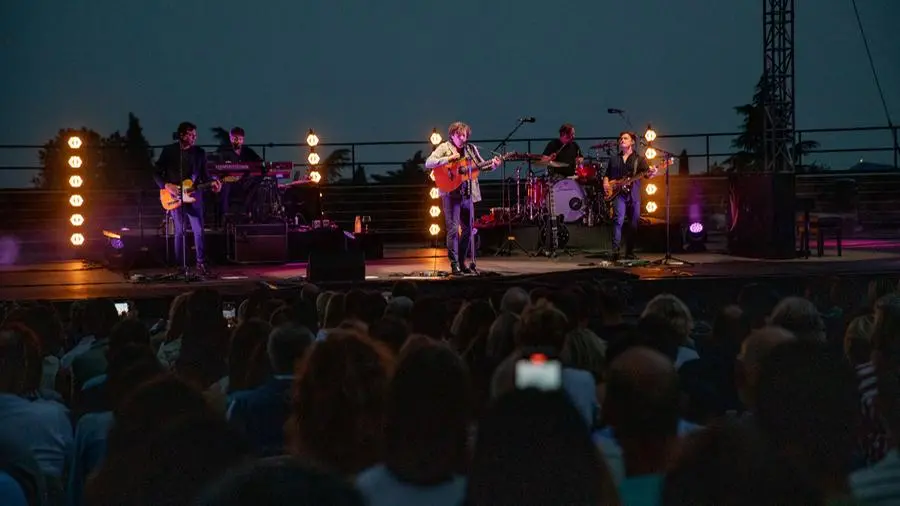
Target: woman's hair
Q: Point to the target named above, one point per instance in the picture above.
(470, 327)
(801, 317)
(338, 402)
(248, 364)
(334, 311)
(20, 359)
(177, 317)
(858, 339)
(674, 310)
(534, 448)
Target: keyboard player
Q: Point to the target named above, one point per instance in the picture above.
(236, 152)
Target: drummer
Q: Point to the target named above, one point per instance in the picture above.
(565, 151)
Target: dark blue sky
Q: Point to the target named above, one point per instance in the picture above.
(392, 70)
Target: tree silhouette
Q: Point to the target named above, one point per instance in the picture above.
(333, 164)
(411, 172)
(359, 175)
(749, 141)
(222, 136)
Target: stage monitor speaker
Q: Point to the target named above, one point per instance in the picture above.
(762, 215)
(346, 265)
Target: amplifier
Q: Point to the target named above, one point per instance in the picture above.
(249, 243)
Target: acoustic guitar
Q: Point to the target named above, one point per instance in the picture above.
(618, 186)
(170, 202)
(451, 175)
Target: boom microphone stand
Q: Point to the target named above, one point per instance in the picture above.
(668, 259)
(506, 248)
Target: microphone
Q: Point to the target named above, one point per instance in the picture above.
(614, 111)
(527, 119)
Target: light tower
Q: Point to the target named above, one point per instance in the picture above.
(778, 85)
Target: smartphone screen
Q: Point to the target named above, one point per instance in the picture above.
(538, 372)
(122, 308)
(228, 312)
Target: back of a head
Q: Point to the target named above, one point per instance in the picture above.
(429, 316)
(733, 465)
(44, 321)
(757, 300)
(542, 325)
(642, 395)
(427, 417)
(392, 331)
(286, 345)
(807, 402)
(501, 339)
(801, 317)
(611, 298)
(567, 302)
(20, 359)
(406, 289)
(100, 316)
(534, 448)
(657, 332)
(674, 310)
(279, 481)
(128, 331)
(514, 300)
(730, 327)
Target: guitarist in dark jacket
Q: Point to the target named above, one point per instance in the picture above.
(627, 200)
(184, 159)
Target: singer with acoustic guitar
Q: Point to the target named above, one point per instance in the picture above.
(456, 164)
(179, 163)
(622, 185)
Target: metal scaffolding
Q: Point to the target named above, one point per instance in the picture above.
(778, 85)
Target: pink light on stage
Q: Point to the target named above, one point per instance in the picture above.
(696, 227)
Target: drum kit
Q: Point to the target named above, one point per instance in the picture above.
(552, 200)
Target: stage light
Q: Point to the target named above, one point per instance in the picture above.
(650, 134)
(650, 153)
(434, 211)
(313, 158)
(76, 220)
(651, 189)
(434, 229)
(435, 137)
(651, 207)
(76, 239)
(312, 140)
(76, 181)
(314, 175)
(76, 200)
(696, 238)
(75, 162)
(434, 193)
(74, 142)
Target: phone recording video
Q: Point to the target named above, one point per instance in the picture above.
(229, 313)
(121, 308)
(537, 371)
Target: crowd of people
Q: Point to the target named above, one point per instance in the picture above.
(565, 396)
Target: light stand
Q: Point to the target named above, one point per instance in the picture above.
(510, 243)
(668, 259)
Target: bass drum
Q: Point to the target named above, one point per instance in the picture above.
(568, 200)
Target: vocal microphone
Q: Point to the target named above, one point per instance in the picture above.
(527, 119)
(615, 111)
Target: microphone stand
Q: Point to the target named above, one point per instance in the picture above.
(183, 274)
(668, 259)
(506, 248)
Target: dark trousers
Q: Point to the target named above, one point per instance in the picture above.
(458, 212)
(626, 204)
(193, 215)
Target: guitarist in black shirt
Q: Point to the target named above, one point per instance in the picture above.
(184, 159)
(626, 200)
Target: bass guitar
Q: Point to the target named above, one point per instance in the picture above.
(619, 186)
(451, 175)
(186, 191)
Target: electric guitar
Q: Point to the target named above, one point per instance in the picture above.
(451, 175)
(170, 202)
(619, 186)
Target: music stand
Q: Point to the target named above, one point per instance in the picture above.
(510, 243)
(668, 259)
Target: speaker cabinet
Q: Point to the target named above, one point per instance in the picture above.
(346, 265)
(762, 215)
(257, 242)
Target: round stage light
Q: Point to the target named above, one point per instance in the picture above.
(76, 220)
(434, 211)
(314, 176)
(312, 140)
(650, 153)
(651, 189)
(651, 207)
(313, 158)
(650, 134)
(434, 229)
(76, 181)
(76, 200)
(74, 142)
(696, 238)
(435, 137)
(75, 162)
(696, 227)
(434, 193)
(77, 239)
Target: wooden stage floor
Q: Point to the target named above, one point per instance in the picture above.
(72, 280)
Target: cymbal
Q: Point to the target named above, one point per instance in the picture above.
(548, 163)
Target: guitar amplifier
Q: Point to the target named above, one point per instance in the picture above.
(249, 243)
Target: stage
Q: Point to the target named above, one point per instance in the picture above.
(72, 280)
